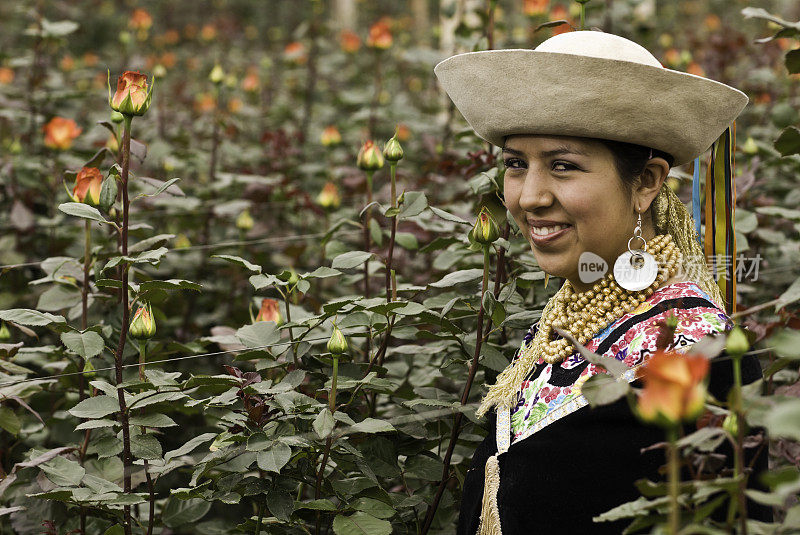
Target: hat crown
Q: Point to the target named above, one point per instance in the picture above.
(598, 45)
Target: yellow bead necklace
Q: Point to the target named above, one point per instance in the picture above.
(586, 313)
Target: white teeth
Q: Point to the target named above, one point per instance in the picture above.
(544, 231)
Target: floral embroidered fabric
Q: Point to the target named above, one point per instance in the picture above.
(552, 391)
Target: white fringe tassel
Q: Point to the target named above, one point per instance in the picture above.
(490, 514)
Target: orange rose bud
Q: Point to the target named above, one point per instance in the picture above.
(349, 41)
(329, 196)
(330, 136)
(370, 157)
(87, 186)
(270, 311)
(133, 96)
(380, 36)
(60, 132)
(140, 20)
(250, 83)
(535, 7)
(674, 388)
(6, 75)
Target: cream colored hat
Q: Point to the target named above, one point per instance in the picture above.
(589, 84)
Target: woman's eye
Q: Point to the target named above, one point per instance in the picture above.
(513, 163)
(563, 166)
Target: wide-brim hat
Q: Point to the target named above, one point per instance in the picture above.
(589, 84)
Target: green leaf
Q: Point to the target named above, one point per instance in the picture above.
(361, 523)
(350, 260)
(9, 420)
(86, 344)
(781, 420)
(116, 529)
(786, 343)
(414, 202)
(239, 262)
(178, 512)
(791, 295)
(259, 334)
(145, 447)
(148, 243)
(95, 407)
(95, 424)
(323, 423)
(406, 240)
(424, 467)
(63, 472)
(280, 504)
(161, 187)
(275, 458)
(374, 507)
(152, 420)
(84, 211)
(371, 425)
(190, 446)
(457, 277)
(789, 141)
(321, 272)
(448, 216)
(31, 318)
(602, 389)
(316, 505)
(171, 284)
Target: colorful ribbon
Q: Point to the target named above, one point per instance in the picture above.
(720, 203)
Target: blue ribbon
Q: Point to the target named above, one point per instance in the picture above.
(696, 198)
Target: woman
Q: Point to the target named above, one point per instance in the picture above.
(590, 124)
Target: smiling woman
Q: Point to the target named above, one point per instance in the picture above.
(587, 156)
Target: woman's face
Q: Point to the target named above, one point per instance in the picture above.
(567, 198)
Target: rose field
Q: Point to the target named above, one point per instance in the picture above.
(256, 270)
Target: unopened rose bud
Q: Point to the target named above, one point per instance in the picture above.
(369, 157)
(5, 334)
(87, 188)
(737, 344)
(337, 344)
(750, 146)
(159, 71)
(216, 75)
(60, 132)
(182, 242)
(132, 96)
(731, 424)
(485, 230)
(330, 136)
(117, 117)
(270, 311)
(329, 196)
(143, 324)
(231, 81)
(293, 278)
(393, 151)
(245, 221)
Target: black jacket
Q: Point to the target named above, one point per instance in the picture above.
(584, 464)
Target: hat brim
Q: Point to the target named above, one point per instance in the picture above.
(520, 91)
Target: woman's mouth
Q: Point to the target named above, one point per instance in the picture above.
(546, 234)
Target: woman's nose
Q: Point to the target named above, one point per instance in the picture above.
(535, 191)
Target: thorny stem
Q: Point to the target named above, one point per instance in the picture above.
(393, 169)
(123, 410)
(291, 331)
(87, 262)
(431, 512)
(738, 450)
(367, 246)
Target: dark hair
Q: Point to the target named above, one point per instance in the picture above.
(630, 159)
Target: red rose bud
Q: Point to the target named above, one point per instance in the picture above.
(349, 41)
(380, 36)
(245, 221)
(329, 196)
(330, 136)
(132, 96)
(674, 388)
(337, 344)
(270, 311)
(485, 230)
(87, 188)
(369, 157)
(143, 324)
(393, 151)
(60, 132)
